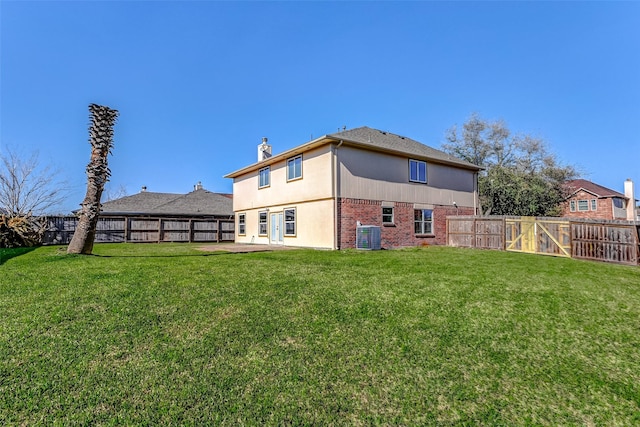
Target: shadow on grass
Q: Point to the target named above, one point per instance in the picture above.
(7, 253)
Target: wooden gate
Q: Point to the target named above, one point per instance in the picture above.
(547, 236)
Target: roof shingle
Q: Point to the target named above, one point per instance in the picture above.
(196, 203)
(595, 189)
(401, 144)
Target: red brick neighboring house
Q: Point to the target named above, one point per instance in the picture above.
(592, 201)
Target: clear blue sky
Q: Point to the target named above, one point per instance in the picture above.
(199, 83)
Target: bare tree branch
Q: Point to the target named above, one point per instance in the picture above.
(28, 187)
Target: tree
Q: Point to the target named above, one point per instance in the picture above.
(111, 193)
(521, 176)
(27, 190)
(101, 139)
(27, 187)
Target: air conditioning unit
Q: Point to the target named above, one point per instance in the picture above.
(368, 237)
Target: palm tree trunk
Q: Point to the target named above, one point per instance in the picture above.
(101, 139)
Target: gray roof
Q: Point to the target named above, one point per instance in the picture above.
(388, 141)
(370, 139)
(196, 203)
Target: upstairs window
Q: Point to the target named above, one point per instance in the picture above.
(294, 168)
(619, 203)
(423, 221)
(262, 223)
(594, 205)
(572, 203)
(583, 205)
(417, 171)
(265, 177)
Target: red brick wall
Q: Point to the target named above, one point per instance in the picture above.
(401, 233)
(604, 207)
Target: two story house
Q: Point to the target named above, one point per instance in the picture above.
(316, 194)
(586, 199)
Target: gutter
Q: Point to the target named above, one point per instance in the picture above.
(335, 174)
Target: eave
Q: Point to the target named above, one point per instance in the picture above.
(326, 139)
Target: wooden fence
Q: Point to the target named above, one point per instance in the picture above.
(143, 230)
(609, 241)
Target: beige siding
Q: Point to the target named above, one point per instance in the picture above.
(316, 183)
(378, 176)
(314, 225)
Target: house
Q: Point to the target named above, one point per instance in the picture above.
(198, 216)
(315, 194)
(199, 203)
(589, 200)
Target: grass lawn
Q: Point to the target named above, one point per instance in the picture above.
(165, 334)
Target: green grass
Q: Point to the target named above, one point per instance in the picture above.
(164, 334)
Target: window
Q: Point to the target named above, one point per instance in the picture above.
(387, 216)
(423, 220)
(262, 223)
(289, 222)
(264, 177)
(294, 168)
(594, 205)
(583, 205)
(619, 203)
(572, 203)
(417, 171)
(242, 230)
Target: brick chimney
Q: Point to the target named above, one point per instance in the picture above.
(631, 200)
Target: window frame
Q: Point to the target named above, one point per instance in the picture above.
(594, 205)
(289, 222)
(572, 205)
(423, 222)
(392, 222)
(619, 202)
(242, 224)
(292, 161)
(418, 163)
(261, 223)
(261, 184)
(583, 205)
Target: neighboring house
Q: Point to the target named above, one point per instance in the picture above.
(589, 200)
(315, 194)
(199, 203)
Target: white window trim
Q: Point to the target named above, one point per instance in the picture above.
(291, 159)
(418, 162)
(393, 215)
(268, 184)
(242, 221)
(584, 202)
(295, 222)
(431, 233)
(266, 223)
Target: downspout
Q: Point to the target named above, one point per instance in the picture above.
(476, 190)
(335, 175)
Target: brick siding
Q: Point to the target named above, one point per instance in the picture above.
(604, 207)
(401, 233)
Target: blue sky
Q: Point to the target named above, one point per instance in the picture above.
(199, 83)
